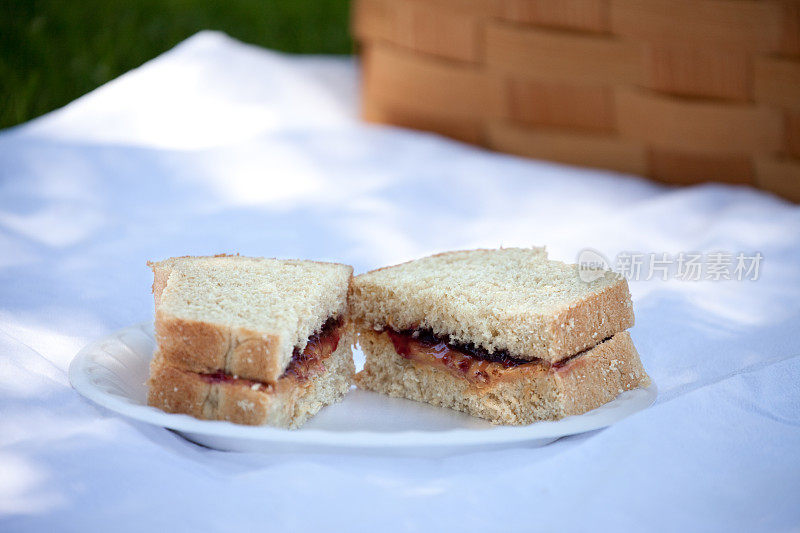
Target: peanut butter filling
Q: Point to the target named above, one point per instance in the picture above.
(467, 361)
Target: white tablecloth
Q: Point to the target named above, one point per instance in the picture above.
(220, 147)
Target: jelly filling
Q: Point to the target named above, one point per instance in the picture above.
(467, 358)
(442, 345)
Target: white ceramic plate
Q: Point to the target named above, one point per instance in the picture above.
(112, 372)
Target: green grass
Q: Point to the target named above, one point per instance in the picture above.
(52, 51)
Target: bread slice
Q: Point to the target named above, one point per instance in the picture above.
(518, 394)
(513, 300)
(241, 316)
(288, 403)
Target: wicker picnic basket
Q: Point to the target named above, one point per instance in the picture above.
(679, 90)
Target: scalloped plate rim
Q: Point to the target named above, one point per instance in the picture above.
(614, 411)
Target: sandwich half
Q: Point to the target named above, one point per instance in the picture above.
(506, 335)
(250, 340)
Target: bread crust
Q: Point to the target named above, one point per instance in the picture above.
(529, 393)
(584, 325)
(206, 348)
(288, 403)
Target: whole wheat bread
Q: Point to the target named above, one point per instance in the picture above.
(243, 316)
(229, 330)
(522, 395)
(288, 403)
(507, 335)
(512, 299)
